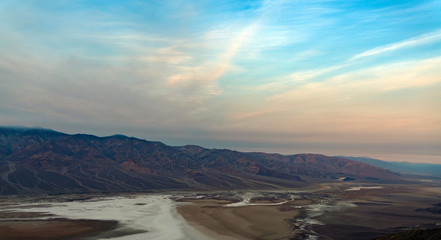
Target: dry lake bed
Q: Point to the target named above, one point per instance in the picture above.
(322, 211)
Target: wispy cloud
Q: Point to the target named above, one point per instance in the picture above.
(166, 55)
(210, 73)
(234, 38)
(365, 102)
(368, 82)
(293, 80)
(412, 42)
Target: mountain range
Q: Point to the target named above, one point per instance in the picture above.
(36, 161)
(419, 169)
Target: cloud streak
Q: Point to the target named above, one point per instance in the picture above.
(412, 42)
(207, 74)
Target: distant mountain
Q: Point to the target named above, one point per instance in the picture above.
(427, 169)
(47, 161)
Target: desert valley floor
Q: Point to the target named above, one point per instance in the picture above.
(322, 211)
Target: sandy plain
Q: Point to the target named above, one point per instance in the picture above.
(338, 211)
(53, 229)
(245, 222)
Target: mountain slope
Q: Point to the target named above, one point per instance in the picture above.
(46, 161)
(402, 167)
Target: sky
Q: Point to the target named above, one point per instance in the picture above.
(357, 78)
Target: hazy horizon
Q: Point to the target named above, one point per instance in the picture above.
(330, 77)
(410, 157)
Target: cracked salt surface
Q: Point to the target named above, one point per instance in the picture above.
(316, 210)
(246, 201)
(361, 187)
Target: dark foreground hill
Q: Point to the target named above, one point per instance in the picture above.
(45, 161)
(429, 234)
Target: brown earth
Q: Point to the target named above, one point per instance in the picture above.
(53, 229)
(246, 222)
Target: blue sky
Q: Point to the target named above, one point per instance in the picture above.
(332, 77)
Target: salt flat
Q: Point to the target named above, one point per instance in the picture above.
(149, 216)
